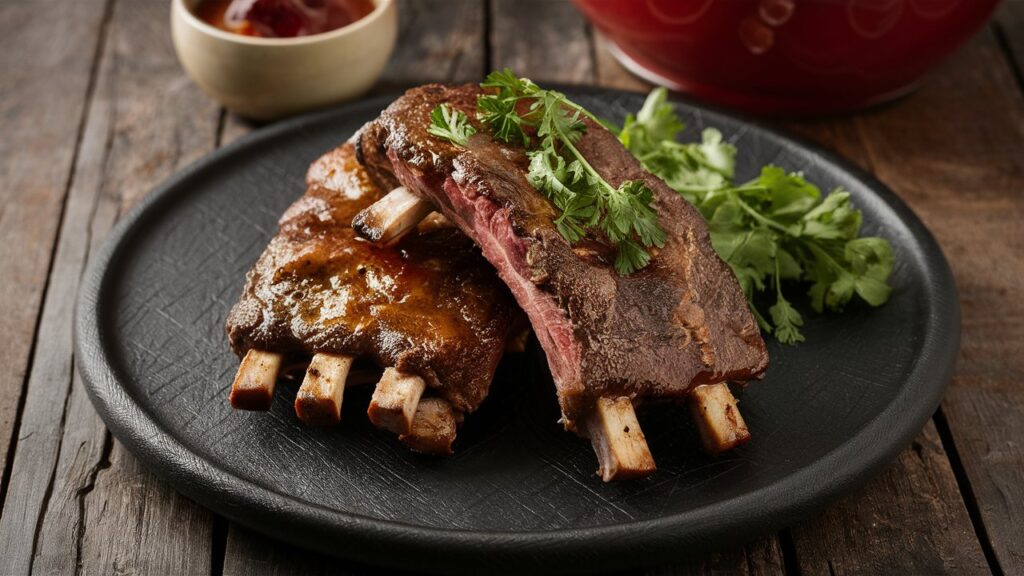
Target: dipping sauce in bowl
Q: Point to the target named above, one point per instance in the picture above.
(318, 61)
(281, 18)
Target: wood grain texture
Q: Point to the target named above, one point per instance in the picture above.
(249, 553)
(136, 524)
(63, 441)
(909, 520)
(47, 51)
(439, 41)
(160, 123)
(144, 122)
(964, 176)
(560, 51)
(761, 558)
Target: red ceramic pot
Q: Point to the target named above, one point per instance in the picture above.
(786, 56)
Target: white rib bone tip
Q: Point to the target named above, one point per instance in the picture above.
(318, 402)
(433, 428)
(618, 441)
(717, 415)
(395, 400)
(389, 219)
(253, 388)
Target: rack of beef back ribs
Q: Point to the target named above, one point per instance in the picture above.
(428, 309)
(679, 328)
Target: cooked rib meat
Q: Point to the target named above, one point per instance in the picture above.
(680, 322)
(430, 306)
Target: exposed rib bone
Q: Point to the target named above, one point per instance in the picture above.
(385, 221)
(318, 402)
(718, 418)
(253, 388)
(433, 428)
(394, 402)
(618, 441)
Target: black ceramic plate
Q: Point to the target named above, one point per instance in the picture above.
(520, 493)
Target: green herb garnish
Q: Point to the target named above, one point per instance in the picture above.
(547, 125)
(450, 124)
(772, 230)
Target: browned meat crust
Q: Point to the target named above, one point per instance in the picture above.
(679, 322)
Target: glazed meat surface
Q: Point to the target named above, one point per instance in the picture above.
(680, 322)
(430, 306)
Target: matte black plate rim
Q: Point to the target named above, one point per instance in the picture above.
(752, 514)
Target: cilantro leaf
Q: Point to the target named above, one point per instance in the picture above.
(776, 230)
(630, 257)
(547, 125)
(787, 321)
(450, 124)
(500, 114)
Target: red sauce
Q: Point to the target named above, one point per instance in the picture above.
(281, 18)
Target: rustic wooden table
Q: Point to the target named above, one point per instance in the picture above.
(95, 111)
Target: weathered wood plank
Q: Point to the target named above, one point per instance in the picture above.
(909, 520)
(107, 515)
(161, 122)
(964, 176)
(559, 50)
(136, 524)
(761, 558)
(250, 553)
(75, 450)
(47, 50)
(439, 41)
(85, 449)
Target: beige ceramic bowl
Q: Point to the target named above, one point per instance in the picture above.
(267, 78)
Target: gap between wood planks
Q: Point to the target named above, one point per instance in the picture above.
(99, 168)
(11, 445)
(964, 180)
(79, 140)
(966, 492)
(796, 549)
(49, 324)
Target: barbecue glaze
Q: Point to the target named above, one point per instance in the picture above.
(430, 305)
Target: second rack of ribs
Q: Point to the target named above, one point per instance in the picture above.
(429, 306)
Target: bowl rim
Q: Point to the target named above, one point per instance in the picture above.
(379, 8)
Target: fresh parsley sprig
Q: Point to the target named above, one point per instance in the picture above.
(548, 125)
(450, 124)
(774, 231)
